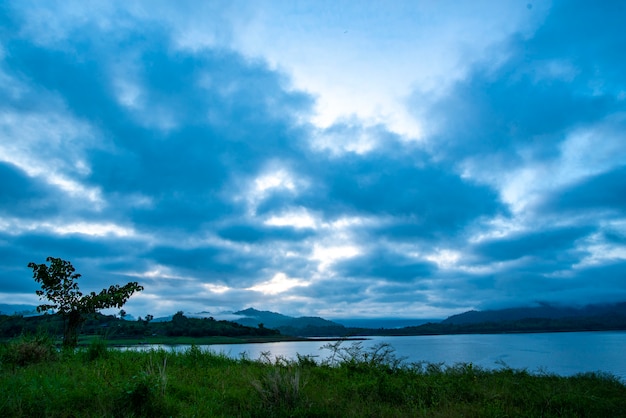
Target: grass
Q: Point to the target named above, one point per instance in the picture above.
(351, 382)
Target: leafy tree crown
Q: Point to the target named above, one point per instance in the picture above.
(59, 286)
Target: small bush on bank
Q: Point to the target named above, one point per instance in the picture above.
(97, 349)
(29, 349)
(354, 356)
(144, 394)
(281, 387)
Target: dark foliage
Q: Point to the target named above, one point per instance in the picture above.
(59, 285)
(112, 327)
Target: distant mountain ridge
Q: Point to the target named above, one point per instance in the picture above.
(253, 317)
(544, 311)
(13, 309)
(544, 318)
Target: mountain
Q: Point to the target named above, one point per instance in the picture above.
(24, 310)
(288, 325)
(387, 323)
(252, 317)
(544, 311)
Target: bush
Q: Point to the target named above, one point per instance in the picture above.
(280, 387)
(144, 394)
(97, 349)
(29, 349)
(354, 356)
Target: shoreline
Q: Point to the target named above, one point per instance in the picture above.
(85, 341)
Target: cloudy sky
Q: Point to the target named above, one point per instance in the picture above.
(330, 158)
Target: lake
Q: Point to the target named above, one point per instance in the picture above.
(566, 353)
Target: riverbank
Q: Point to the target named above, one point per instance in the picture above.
(86, 340)
(38, 380)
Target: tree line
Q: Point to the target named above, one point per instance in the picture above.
(75, 312)
(113, 327)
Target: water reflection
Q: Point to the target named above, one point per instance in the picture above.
(560, 353)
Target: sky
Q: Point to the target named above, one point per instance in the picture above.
(342, 159)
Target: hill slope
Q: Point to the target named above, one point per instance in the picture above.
(288, 325)
(545, 311)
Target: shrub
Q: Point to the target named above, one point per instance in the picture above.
(28, 349)
(144, 394)
(97, 349)
(194, 353)
(280, 387)
(355, 356)
(306, 361)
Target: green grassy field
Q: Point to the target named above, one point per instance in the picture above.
(37, 380)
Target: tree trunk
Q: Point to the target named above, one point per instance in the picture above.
(70, 337)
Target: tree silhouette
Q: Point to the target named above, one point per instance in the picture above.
(59, 285)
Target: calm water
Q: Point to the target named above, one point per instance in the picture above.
(561, 353)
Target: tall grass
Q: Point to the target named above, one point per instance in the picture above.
(350, 382)
(280, 387)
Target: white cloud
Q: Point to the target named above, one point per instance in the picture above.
(584, 152)
(129, 94)
(297, 218)
(215, 288)
(327, 255)
(274, 180)
(362, 59)
(275, 177)
(497, 227)
(444, 258)
(599, 251)
(156, 272)
(592, 150)
(280, 283)
(50, 145)
(355, 139)
(17, 226)
(91, 228)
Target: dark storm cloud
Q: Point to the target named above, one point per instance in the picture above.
(384, 265)
(395, 187)
(604, 192)
(260, 233)
(590, 284)
(548, 243)
(604, 281)
(527, 113)
(21, 194)
(75, 245)
(15, 281)
(566, 75)
(615, 237)
(88, 254)
(209, 260)
(168, 162)
(337, 290)
(14, 274)
(397, 291)
(423, 200)
(227, 117)
(504, 114)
